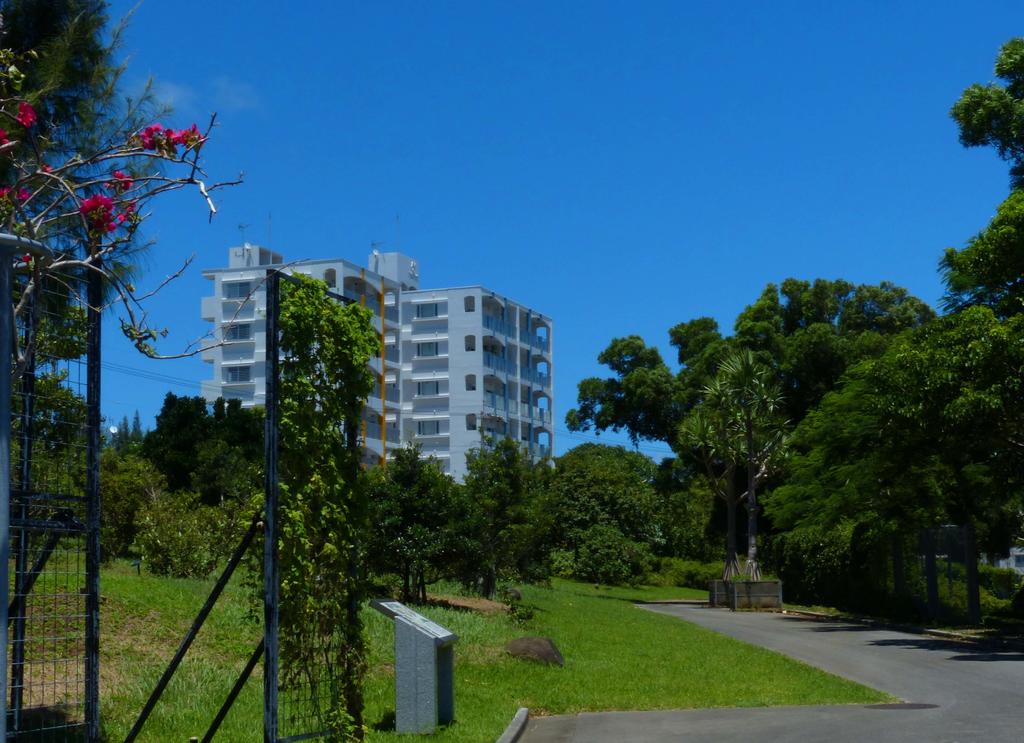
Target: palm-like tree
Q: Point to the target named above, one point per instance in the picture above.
(737, 425)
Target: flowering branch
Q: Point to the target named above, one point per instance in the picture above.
(88, 208)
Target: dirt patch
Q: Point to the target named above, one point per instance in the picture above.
(467, 603)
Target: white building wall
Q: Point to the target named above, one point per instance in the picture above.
(433, 341)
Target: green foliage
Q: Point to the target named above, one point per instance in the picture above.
(180, 537)
(1000, 582)
(596, 484)
(640, 399)
(325, 380)
(128, 485)
(217, 452)
(738, 427)
(128, 438)
(990, 271)
(686, 514)
(414, 512)
(672, 571)
(504, 528)
(809, 332)
(605, 555)
(993, 115)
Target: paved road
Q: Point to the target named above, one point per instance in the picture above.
(978, 694)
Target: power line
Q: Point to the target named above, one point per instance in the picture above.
(150, 375)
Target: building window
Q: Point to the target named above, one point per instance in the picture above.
(470, 342)
(470, 304)
(427, 388)
(238, 332)
(470, 382)
(426, 349)
(471, 422)
(331, 278)
(237, 289)
(426, 310)
(428, 428)
(238, 373)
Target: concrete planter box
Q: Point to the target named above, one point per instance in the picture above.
(718, 593)
(755, 594)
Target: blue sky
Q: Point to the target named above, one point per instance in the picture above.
(620, 166)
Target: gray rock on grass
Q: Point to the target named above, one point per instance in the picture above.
(537, 649)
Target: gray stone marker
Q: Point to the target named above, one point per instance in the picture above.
(424, 669)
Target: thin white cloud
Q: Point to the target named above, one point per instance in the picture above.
(180, 97)
(229, 94)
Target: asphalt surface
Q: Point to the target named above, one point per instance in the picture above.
(953, 692)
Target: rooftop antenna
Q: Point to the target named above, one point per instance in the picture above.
(270, 228)
(241, 228)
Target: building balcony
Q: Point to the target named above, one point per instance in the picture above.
(497, 325)
(493, 361)
(541, 344)
(538, 378)
(533, 412)
(234, 310)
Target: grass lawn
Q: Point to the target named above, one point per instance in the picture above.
(617, 657)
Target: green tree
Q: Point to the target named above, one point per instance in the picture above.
(738, 427)
(989, 271)
(218, 453)
(502, 488)
(596, 484)
(414, 511)
(181, 426)
(993, 114)
(640, 399)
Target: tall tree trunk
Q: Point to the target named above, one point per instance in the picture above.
(753, 567)
(732, 565)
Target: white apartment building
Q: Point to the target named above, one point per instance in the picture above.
(456, 365)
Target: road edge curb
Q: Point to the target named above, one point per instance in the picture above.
(515, 728)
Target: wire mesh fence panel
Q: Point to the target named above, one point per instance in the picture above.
(52, 613)
(308, 662)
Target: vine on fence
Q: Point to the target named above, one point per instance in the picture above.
(325, 380)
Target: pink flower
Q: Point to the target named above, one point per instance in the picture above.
(4, 190)
(47, 168)
(3, 137)
(99, 212)
(26, 115)
(122, 181)
(23, 194)
(149, 135)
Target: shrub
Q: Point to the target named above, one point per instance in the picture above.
(605, 555)
(1002, 582)
(672, 571)
(180, 537)
(563, 563)
(128, 484)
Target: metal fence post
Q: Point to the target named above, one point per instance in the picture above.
(10, 245)
(271, 593)
(6, 353)
(92, 517)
